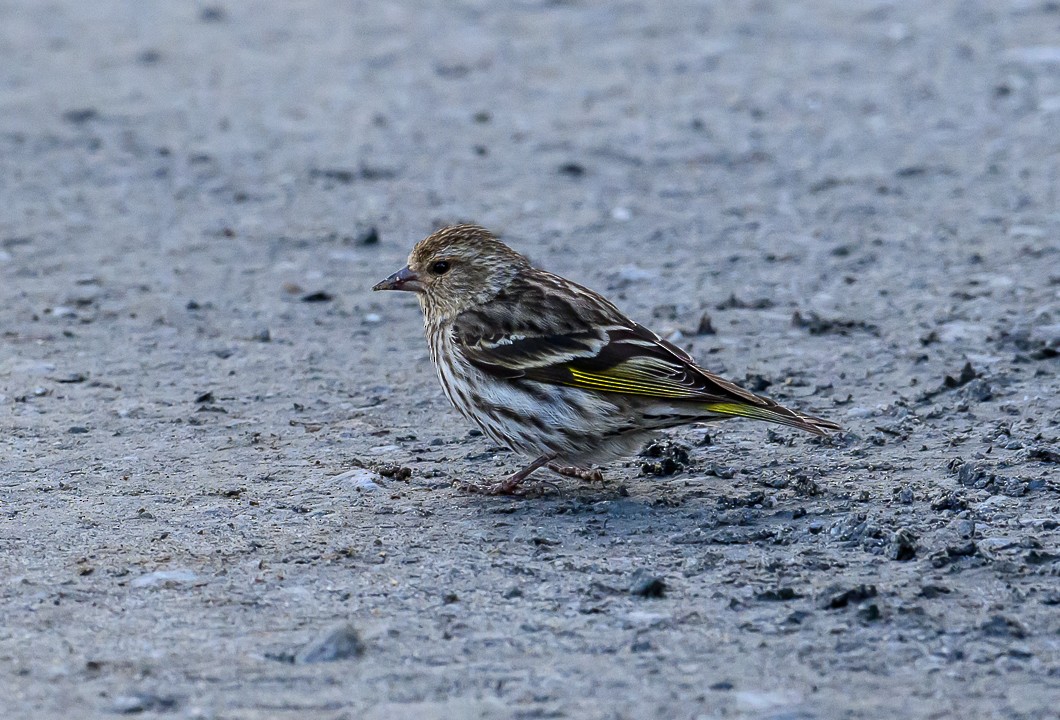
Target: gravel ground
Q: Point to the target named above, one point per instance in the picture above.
(226, 466)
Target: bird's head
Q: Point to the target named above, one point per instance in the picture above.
(455, 268)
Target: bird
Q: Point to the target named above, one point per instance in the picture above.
(553, 370)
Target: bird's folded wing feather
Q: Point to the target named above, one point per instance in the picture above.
(609, 354)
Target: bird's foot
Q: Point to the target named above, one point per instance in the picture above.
(586, 474)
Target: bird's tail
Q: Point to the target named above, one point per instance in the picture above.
(775, 414)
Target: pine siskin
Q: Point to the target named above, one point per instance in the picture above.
(551, 369)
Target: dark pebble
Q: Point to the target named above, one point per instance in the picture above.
(1039, 557)
(368, 237)
(137, 703)
(949, 501)
(1014, 488)
(395, 471)
(369, 172)
(339, 175)
(1045, 454)
(319, 296)
(735, 303)
(706, 325)
(778, 595)
(79, 116)
(669, 458)
(970, 474)
(933, 591)
(902, 546)
(978, 390)
(647, 585)
(967, 549)
(835, 598)
(571, 169)
(149, 57)
(756, 383)
(870, 613)
(212, 14)
(1001, 626)
(966, 375)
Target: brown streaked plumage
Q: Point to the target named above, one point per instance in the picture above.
(551, 369)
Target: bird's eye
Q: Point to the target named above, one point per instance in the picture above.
(440, 268)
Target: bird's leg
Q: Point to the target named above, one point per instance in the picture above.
(586, 474)
(510, 484)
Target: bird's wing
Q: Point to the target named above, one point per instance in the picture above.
(553, 331)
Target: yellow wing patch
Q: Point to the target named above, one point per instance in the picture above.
(734, 409)
(618, 382)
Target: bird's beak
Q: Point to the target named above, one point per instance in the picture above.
(403, 279)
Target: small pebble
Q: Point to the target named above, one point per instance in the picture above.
(647, 585)
(902, 546)
(136, 703)
(317, 297)
(212, 14)
(706, 325)
(360, 479)
(368, 237)
(341, 642)
(164, 578)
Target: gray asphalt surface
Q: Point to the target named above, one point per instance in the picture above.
(226, 466)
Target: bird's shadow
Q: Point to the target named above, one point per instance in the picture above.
(698, 509)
